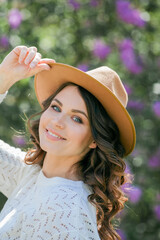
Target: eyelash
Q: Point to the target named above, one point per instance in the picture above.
(52, 106)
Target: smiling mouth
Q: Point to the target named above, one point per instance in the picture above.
(54, 135)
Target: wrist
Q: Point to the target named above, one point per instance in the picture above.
(4, 83)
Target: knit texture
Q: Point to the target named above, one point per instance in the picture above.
(2, 96)
(39, 207)
(42, 208)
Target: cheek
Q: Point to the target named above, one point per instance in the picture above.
(42, 122)
(81, 136)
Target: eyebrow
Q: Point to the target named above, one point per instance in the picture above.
(73, 110)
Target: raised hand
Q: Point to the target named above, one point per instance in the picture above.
(22, 62)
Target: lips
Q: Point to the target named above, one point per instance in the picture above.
(50, 130)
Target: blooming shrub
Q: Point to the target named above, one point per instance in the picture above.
(123, 35)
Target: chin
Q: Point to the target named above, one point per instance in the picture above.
(43, 146)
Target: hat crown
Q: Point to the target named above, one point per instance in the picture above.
(112, 81)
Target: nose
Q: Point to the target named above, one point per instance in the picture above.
(58, 122)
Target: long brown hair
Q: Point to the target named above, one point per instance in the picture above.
(102, 168)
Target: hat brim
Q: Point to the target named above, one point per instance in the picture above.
(47, 82)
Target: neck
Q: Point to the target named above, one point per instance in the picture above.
(56, 167)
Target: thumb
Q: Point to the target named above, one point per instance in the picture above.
(41, 67)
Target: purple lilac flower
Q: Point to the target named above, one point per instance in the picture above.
(154, 161)
(157, 211)
(134, 194)
(156, 108)
(15, 18)
(19, 140)
(128, 14)
(135, 105)
(128, 89)
(128, 57)
(101, 50)
(94, 3)
(128, 169)
(4, 42)
(126, 186)
(122, 234)
(74, 4)
(135, 153)
(83, 67)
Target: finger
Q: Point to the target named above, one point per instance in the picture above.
(35, 60)
(47, 60)
(33, 48)
(39, 68)
(42, 64)
(23, 54)
(31, 55)
(18, 49)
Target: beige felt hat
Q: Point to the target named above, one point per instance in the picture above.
(103, 83)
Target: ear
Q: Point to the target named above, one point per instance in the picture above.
(93, 145)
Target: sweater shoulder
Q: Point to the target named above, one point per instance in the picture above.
(10, 151)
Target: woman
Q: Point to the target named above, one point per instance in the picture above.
(68, 186)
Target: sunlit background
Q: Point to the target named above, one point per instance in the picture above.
(124, 35)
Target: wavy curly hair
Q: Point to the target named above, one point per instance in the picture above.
(102, 168)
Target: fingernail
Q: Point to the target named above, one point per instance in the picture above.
(47, 68)
(32, 65)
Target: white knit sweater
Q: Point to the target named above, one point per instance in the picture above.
(42, 208)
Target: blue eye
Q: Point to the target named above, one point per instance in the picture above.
(57, 109)
(54, 107)
(79, 120)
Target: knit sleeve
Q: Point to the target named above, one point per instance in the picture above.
(12, 168)
(2, 96)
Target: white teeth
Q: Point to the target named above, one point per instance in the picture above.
(54, 135)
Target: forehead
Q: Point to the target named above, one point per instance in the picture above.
(70, 92)
(70, 95)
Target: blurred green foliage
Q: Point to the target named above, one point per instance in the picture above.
(68, 34)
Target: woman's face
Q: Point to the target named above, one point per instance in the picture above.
(63, 117)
